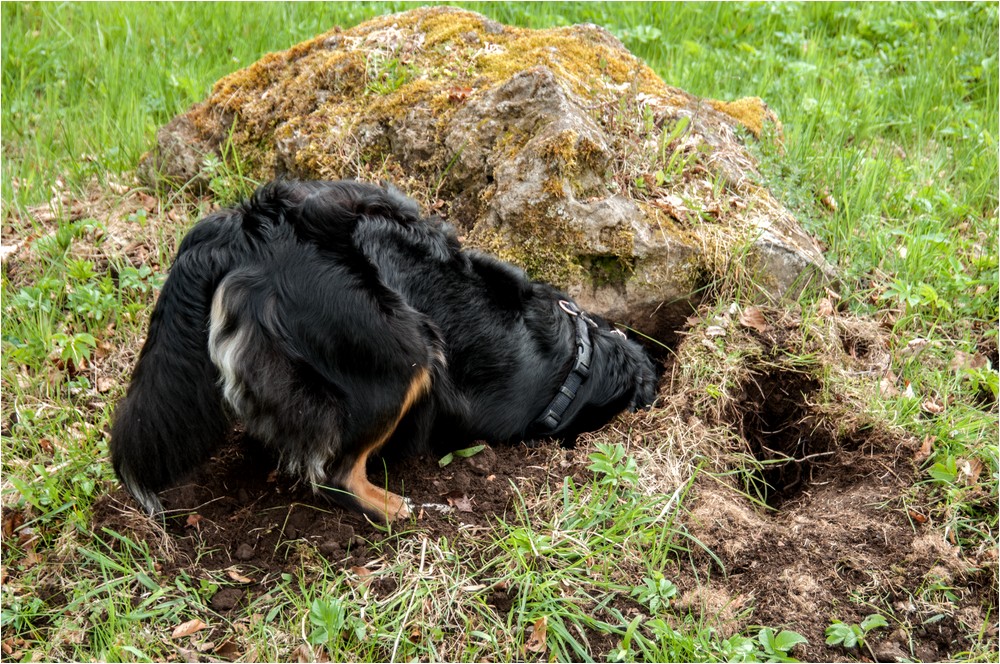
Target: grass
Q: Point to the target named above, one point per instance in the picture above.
(890, 158)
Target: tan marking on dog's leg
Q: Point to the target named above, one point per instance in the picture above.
(371, 496)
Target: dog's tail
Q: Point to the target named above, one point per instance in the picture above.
(173, 417)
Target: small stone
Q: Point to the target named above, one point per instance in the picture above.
(330, 548)
(244, 552)
(226, 599)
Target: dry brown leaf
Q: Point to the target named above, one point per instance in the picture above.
(915, 347)
(934, 406)
(887, 386)
(753, 318)
(229, 650)
(536, 642)
(188, 628)
(969, 470)
(459, 501)
(925, 448)
(105, 383)
(964, 360)
(234, 574)
(459, 93)
(361, 571)
(304, 653)
(188, 655)
(31, 558)
(825, 307)
(11, 522)
(917, 516)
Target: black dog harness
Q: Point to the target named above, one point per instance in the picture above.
(553, 413)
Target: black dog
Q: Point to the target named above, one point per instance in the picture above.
(333, 320)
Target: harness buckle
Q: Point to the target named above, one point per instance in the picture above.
(569, 307)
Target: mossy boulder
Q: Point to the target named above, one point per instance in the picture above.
(557, 150)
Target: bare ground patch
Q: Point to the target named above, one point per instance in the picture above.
(806, 509)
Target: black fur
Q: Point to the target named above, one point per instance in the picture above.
(331, 318)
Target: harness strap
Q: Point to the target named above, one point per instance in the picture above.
(554, 412)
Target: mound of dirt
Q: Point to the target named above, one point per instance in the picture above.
(802, 504)
(813, 515)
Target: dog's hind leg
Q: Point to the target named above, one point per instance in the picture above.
(354, 477)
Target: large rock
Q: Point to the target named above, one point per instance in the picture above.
(555, 149)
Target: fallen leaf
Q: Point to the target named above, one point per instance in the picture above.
(46, 445)
(11, 522)
(237, 577)
(969, 470)
(934, 406)
(31, 558)
(188, 628)
(536, 642)
(887, 386)
(753, 318)
(361, 571)
(8, 249)
(964, 360)
(193, 519)
(825, 307)
(917, 516)
(925, 448)
(188, 655)
(459, 501)
(229, 650)
(305, 653)
(915, 347)
(105, 383)
(459, 93)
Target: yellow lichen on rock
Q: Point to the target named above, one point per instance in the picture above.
(751, 112)
(557, 150)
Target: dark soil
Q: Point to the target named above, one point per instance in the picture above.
(839, 531)
(239, 510)
(836, 534)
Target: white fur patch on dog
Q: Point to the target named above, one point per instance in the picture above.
(225, 352)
